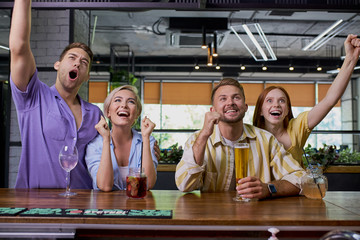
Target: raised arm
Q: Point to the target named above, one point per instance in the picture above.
(147, 126)
(337, 88)
(211, 118)
(22, 64)
(105, 174)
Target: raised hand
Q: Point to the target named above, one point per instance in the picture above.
(147, 126)
(211, 118)
(352, 46)
(103, 128)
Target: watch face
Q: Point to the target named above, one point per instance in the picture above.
(272, 188)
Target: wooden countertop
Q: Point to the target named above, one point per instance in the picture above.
(196, 213)
(331, 169)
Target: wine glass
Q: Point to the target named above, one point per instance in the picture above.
(68, 159)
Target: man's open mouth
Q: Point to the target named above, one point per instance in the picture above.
(73, 75)
(230, 111)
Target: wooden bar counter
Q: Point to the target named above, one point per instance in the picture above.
(194, 215)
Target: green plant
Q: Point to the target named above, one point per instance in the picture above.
(122, 76)
(348, 157)
(172, 155)
(328, 155)
(324, 156)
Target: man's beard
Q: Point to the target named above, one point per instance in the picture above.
(233, 120)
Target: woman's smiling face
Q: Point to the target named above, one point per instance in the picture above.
(275, 107)
(122, 109)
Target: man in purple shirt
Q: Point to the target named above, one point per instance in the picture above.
(49, 116)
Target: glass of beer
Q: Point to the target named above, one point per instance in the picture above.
(241, 153)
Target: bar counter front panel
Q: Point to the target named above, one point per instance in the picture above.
(195, 214)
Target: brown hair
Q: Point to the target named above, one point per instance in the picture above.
(131, 88)
(80, 45)
(227, 82)
(258, 120)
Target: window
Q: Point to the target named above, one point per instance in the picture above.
(178, 107)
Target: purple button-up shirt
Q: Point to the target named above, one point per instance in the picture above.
(46, 123)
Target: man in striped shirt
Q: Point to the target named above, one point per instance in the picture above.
(208, 160)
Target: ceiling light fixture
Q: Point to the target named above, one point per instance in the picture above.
(264, 68)
(327, 35)
(261, 36)
(215, 53)
(210, 57)
(196, 66)
(242, 67)
(318, 68)
(291, 67)
(97, 59)
(204, 45)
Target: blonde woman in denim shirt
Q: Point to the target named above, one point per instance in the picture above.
(111, 153)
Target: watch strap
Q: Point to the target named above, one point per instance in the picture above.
(272, 189)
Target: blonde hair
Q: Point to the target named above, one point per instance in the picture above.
(130, 88)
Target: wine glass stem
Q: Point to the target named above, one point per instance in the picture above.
(68, 182)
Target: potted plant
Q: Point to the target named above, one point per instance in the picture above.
(329, 155)
(172, 155)
(322, 157)
(340, 167)
(121, 77)
(346, 157)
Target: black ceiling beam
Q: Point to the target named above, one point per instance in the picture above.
(129, 6)
(228, 64)
(195, 24)
(319, 5)
(187, 63)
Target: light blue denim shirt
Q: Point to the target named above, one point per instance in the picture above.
(93, 157)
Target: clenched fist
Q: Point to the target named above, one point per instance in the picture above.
(211, 118)
(103, 128)
(147, 126)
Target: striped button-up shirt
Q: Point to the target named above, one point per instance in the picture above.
(268, 160)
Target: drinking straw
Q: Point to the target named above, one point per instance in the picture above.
(141, 157)
(312, 174)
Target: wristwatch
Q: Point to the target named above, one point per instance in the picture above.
(272, 189)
